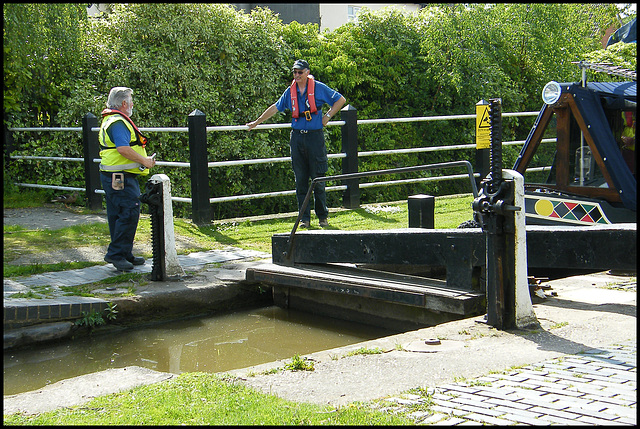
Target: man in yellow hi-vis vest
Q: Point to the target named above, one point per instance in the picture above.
(628, 139)
(123, 160)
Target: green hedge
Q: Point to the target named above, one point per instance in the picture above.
(231, 65)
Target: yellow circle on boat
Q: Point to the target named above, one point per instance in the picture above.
(544, 207)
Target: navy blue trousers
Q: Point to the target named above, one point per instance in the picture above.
(123, 213)
(309, 160)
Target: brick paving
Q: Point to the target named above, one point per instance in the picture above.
(596, 387)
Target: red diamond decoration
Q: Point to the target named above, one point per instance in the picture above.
(587, 218)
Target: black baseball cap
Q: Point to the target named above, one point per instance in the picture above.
(301, 64)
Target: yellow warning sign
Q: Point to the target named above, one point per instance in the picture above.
(483, 125)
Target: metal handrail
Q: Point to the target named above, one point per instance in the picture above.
(348, 176)
(215, 164)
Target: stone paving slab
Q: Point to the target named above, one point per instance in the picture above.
(59, 306)
(506, 399)
(101, 272)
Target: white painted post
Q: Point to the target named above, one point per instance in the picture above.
(172, 266)
(524, 314)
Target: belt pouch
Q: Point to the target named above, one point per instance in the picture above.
(117, 181)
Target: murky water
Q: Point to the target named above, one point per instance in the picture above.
(212, 344)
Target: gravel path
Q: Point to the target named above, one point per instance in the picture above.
(49, 217)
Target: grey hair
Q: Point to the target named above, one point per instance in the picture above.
(117, 95)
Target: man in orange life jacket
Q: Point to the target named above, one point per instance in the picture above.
(123, 160)
(305, 98)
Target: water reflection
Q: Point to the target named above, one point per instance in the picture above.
(212, 344)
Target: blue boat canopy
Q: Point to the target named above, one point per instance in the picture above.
(626, 90)
(626, 34)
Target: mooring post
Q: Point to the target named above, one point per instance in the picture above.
(421, 211)
(505, 241)
(165, 257)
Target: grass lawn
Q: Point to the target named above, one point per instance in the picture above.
(246, 233)
(204, 399)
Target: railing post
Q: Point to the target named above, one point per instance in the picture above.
(351, 196)
(9, 145)
(90, 151)
(201, 209)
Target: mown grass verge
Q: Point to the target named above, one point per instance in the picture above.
(204, 399)
(244, 233)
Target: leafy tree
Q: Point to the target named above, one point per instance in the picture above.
(41, 60)
(182, 57)
(619, 54)
(41, 56)
(445, 58)
(544, 39)
(231, 65)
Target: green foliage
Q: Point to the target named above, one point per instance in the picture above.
(95, 318)
(365, 351)
(90, 320)
(111, 312)
(619, 54)
(218, 61)
(231, 65)
(41, 57)
(391, 64)
(299, 363)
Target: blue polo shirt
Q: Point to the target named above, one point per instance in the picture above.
(324, 94)
(119, 134)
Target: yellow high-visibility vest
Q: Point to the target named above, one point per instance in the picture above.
(629, 129)
(111, 158)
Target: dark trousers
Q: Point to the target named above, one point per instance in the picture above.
(123, 213)
(309, 160)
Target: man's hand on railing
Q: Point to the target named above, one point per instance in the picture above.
(150, 161)
(269, 112)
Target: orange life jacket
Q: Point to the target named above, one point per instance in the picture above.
(628, 118)
(142, 139)
(311, 97)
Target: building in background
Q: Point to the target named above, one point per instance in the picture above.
(97, 8)
(328, 16)
(333, 15)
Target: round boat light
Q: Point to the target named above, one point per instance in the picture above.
(551, 92)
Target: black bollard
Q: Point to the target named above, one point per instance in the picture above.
(153, 197)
